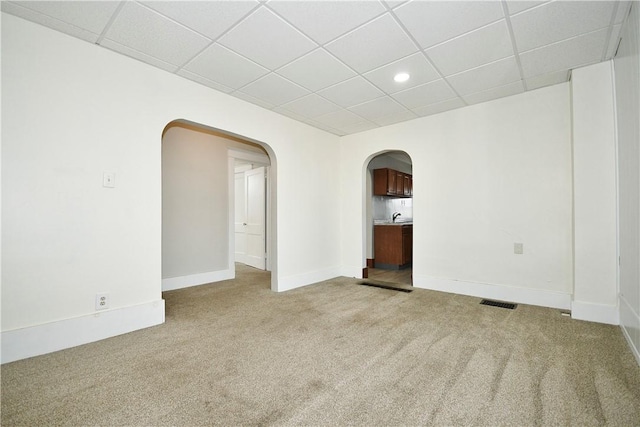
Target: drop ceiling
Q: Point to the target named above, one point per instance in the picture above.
(331, 63)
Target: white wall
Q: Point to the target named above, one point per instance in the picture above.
(485, 177)
(627, 83)
(195, 199)
(73, 110)
(594, 177)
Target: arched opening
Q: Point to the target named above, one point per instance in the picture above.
(201, 195)
(388, 198)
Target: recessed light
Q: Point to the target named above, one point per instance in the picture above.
(401, 77)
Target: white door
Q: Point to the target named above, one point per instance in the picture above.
(254, 223)
(240, 218)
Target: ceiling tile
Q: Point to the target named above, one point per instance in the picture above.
(305, 71)
(439, 107)
(326, 128)
(203, 81)
(622, 12)
(253, 100)
(310, 122)
(358, 127)
(144, 30)
(351, 92)
(378, 108)
(275, 90)
(559, 20)
(311, 106)
(88, 15)
(401, 116)
(138, 55)
(416, 65)
(377, 43)
(488, 76)
(473, 49)
(323, 21)
(340, 119)
(517, 6)
(210, 18)
(547, 79)
(221, 65)
(426, 94)
(571, 53)
(394, 3)
(432, 22)
(39, 18)
(498, 92)
(267, 39)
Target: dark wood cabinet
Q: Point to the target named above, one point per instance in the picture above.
(407, 188)
(393, 246)
(390, 176)
(399, 183)
(390, 182)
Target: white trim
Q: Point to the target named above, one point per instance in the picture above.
(304, 279)
(629, 316)
(180, 282)
(250, 156)
(49, 337)
(539, 297)
(231, 226)
(262, 161)
(267, 218)
(354, 272)
(591, 312)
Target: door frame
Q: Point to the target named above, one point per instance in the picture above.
(259, 160)
(367, 205)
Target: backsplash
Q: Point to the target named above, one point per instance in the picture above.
(384, 208)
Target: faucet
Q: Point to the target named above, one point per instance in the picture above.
(395, 215)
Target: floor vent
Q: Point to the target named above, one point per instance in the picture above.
(391, 288)
(492, 303)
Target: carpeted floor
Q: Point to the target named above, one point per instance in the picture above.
(333, 353)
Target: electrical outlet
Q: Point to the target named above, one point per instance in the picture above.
(518, 248)
(102, 301)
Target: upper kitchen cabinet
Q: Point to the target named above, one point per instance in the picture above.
(390, 182)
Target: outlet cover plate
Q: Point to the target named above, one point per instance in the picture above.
(102, 301)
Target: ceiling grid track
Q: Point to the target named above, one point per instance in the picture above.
(331, 64)
(516, 54)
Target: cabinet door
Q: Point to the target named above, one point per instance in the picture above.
(407, 185)
(399, 183)
(407, 244)
(391, 181)
(380, 182)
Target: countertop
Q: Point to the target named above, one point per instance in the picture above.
(393, 223)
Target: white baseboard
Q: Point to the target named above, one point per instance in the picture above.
(542, 298)
(180, 282)
(348, 271)
(49, 337)
(599, 313)
(630, 325)
(299, 280)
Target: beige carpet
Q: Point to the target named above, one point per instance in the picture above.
(334, 353)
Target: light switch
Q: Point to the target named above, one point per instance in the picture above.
(518, 248)
(109, 180)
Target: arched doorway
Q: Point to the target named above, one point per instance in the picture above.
(389, 217)
(199, 164)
